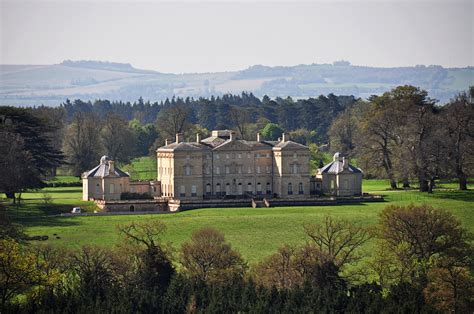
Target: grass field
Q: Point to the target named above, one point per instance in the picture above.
(256, 233)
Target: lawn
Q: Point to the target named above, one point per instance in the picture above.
(256, 233)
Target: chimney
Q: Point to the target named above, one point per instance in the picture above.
(279, 139)
(283, 137)
(232, 135)
(258, 137)
(166, 142)
(198, 138)
(111, 166)
(179, 137)
(345, 163)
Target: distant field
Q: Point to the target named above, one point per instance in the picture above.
(143, 168)
(256, 233)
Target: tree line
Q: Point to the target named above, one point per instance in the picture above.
(421, 263)
(403, 136)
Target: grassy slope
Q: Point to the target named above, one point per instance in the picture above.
(256, 233)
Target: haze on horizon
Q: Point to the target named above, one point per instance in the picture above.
(197, 36)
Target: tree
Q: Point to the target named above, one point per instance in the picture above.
(272, 132)
(17, 271)
(338, 240)
(240, 118)
(172, 120)
(117, 138)
(450, 290)
(155, 268)
(208, 258)
(422, 237)
(82, 142)
(458, 118)
(26, 151)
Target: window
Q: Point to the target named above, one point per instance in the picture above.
(182, 191)
(249, 170)
(208, 189)
(227, 169)
(187, 170)
(268, 169)
(227, 189)
(346, 184)
(218, 170)
(249, 155)
(295, 168)
(217, 156)
(132, 189)
(112, 188)
(218, 189)
(154, 188)
(257, 155)
(259, 188)
(295, 155)
(258, 169)
(208, 170)
(239, 169)
(97, 188)
(268, 155)
(208, 156)
(269, 189)
(300, 188)
(239, 155)
(188, 157)
(290, 189)
(239, 189)
(193, 191)
(249, 187)
(227, 156)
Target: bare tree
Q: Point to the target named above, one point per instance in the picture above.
(82, 142)
(338, 240)
(172, 120)
(240, 118)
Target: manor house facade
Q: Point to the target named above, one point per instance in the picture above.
(223, 166)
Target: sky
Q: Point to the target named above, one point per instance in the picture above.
(197, 36)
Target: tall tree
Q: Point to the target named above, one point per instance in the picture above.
(117, 138)
(458, 119)
(27, 154)
(82, 143)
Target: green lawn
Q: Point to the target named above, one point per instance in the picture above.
(143, 168)
(256, 233)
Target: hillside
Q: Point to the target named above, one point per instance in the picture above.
(89, 80)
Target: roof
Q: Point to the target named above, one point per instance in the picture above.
(183, 146)
(103, 170)
(220, 138)
(336, 166)
(291, 145)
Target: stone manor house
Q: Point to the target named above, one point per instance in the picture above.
(225, 167)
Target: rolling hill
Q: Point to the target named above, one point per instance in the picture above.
(24, 85)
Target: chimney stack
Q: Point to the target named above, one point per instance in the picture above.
(166, 142)
(279, 139)
(283, 139)
(345, 163)
(198, 138)
(179, 137)
(258, 137)
(232, 135)
(111, 166)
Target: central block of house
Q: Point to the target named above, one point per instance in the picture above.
(223, 166)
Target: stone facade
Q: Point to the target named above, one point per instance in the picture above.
(339, 178)
(222, 166)
(108, 182)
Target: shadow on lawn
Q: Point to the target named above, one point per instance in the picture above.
(465, 196)
(36, 215)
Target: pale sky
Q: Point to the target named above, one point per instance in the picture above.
(197, 36)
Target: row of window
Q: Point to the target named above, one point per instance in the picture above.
(238, 155)
(111, 188)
